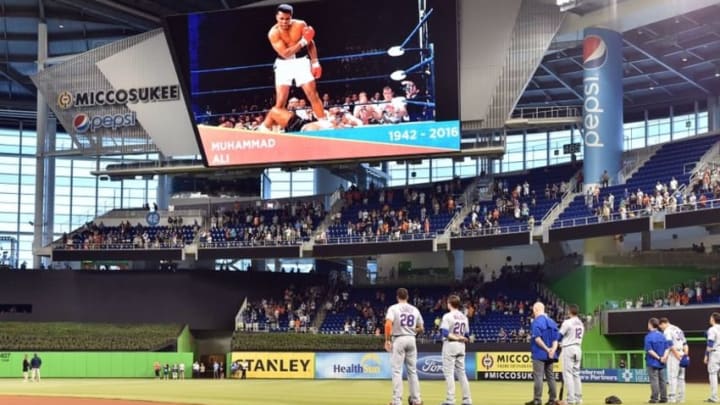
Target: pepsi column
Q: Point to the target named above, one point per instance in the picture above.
(603, 104)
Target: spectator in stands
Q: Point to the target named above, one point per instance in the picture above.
(605, 179)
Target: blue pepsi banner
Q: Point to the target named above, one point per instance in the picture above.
(365, 366)
(602, 104)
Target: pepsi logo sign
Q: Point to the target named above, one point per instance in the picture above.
(83, 122)
(594, 52)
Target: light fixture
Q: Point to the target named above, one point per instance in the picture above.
(395, 51)
(61, 26)
(398, 75)
(717, 74)
(684, 59)
(652, 87)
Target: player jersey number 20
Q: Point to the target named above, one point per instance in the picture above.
(407, 320)
(459, 328)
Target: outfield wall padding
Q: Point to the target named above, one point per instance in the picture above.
(94, 365)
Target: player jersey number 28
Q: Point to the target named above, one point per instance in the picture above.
(407, 320)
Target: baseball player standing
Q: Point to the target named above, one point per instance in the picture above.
(678, 349)
(712, 355)
(572, 331)
(455, 330)
(402, 323)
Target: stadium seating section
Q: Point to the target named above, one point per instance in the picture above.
(672, 160)
(498, 310)
(291, 224)
(415, 212)
(99, 236)
(545, 186)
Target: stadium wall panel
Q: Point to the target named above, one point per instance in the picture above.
(683, 219)
(600, 229)
(490, 241)
(202, 299)
(62, 255)
(94, 365)
(372, 249)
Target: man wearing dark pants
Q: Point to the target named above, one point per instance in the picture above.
(543, 346)
(656, 352)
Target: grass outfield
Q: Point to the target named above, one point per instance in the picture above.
(297, 392)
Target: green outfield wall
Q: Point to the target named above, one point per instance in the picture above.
(592, 286)
(94, 364)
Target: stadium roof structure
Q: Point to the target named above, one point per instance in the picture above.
(666, 61)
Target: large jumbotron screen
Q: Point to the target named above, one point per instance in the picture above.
(374, 78)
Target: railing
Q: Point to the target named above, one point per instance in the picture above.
(483, 141)
(352, 239)
(550, 212)
(633, 160)
(554, 112)
(467, 198)
(495, 230)
(142, 212)
(117, 246)
(638, 213)
(631, 359)
(250, 243)
(697, 169)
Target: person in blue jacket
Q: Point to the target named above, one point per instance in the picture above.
(656, 353)
(544, 349)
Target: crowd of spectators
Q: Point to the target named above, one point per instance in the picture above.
(393, 213)
(698, 292)
(508, 293)
(290, 223)
(381, 106)
(98, 236)
(662, 198)
(708, 181)
(293, 312)
(510, 201)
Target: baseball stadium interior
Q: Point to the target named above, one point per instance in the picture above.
(189, 182)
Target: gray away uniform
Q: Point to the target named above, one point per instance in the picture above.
(405, 318)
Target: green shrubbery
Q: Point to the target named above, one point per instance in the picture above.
(297, 342)
(68, 336)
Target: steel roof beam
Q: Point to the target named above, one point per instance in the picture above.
(561, 81)
(668, 67)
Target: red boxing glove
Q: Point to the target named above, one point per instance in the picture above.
(308, 33)
(316, 70)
